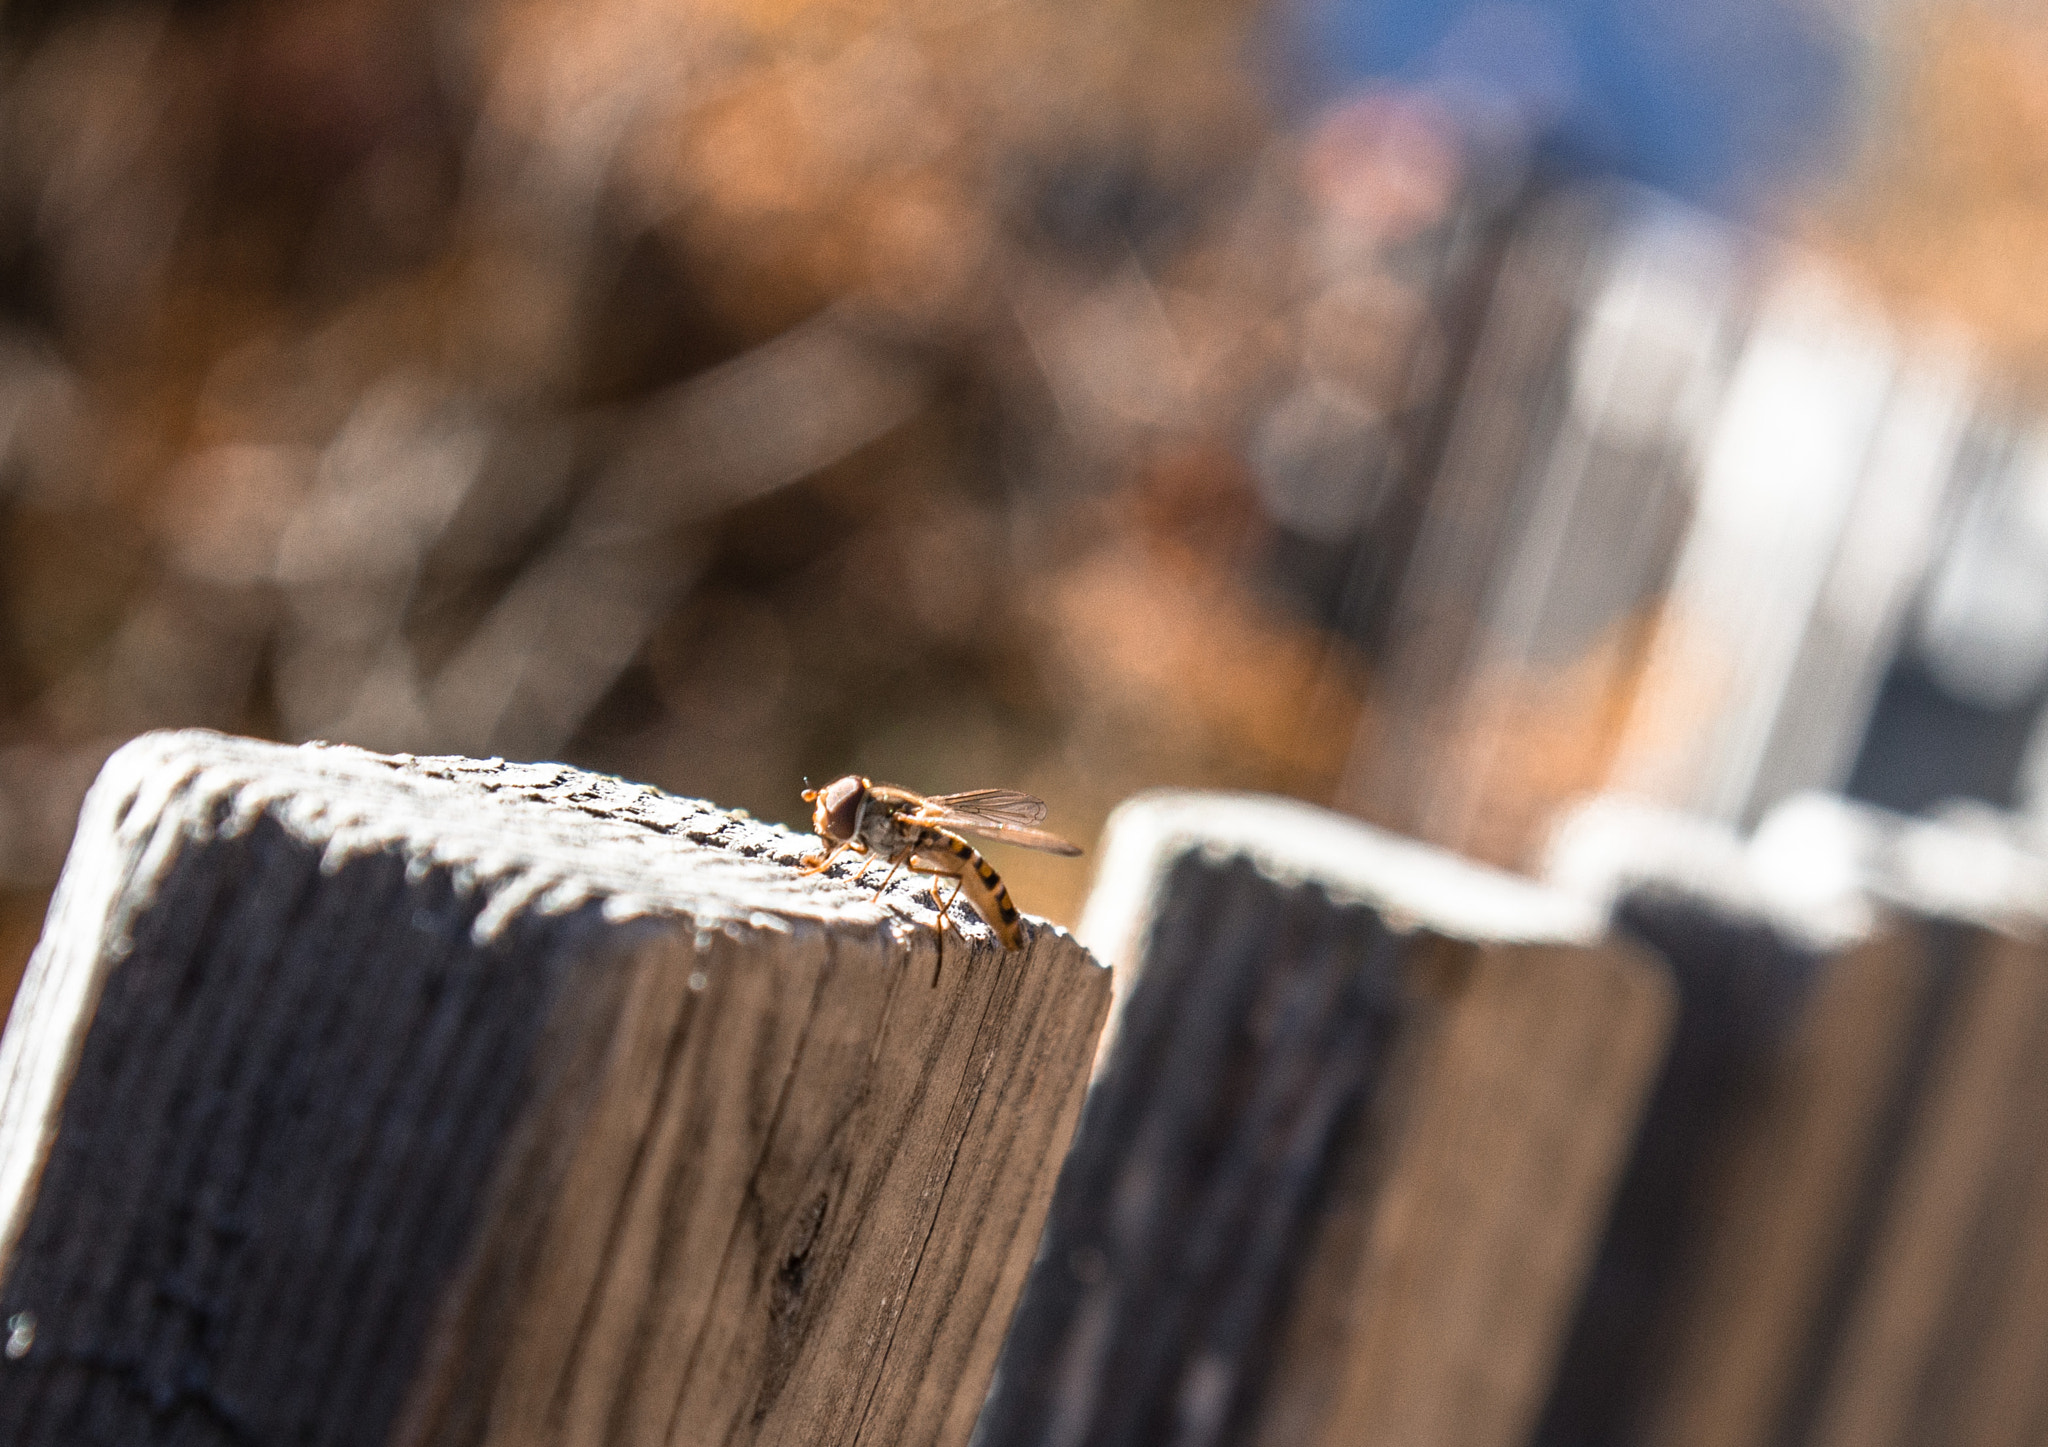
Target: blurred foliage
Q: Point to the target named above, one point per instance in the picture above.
(714, 391)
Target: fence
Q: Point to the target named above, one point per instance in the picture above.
(377, 1099)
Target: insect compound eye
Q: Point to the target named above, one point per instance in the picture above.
(839, 807)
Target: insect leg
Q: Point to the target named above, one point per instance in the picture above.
(821, 862)
(938, 903)
(866, 859)
(940, 870)
(897, 863)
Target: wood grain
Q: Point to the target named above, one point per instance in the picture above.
(1496, 1194)
(1342, 1164)
(1830, 1229)
(1775, 1218)
(360, 1099)
(1914, 1338)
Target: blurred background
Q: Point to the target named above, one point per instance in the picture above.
(1437, 410)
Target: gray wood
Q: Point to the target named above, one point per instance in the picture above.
(1945, 1340)
(1831, 1230)
(1751, 1292)
(1347, 1150)
(1865, 1263)
(364, 1099)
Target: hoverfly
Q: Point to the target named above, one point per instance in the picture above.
(882, 821)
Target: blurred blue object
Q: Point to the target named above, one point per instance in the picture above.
(1714, 101)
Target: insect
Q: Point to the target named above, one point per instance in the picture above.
(917, 831)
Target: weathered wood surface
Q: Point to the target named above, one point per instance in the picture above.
(1830, 1232)
(1791, 1148)
(361, 1100)
(1944, 1339)
(1347, 1149)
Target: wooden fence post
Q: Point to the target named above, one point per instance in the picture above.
(1771, 1116)
(354, 1099)
(1834, 1230)
(1944, 1339)
(1347, 1149)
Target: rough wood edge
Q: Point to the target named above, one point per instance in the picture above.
(1298, 843)
(1977, 867)
(1611, 845)
(162, 787)
(81, 941)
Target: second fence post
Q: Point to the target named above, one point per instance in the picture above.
(1348, 1148)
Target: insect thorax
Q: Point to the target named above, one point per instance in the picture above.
(885, 832)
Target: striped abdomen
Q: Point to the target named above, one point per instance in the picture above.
(950, 854)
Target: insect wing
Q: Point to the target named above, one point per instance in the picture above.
(1000, 814)
(993, 806)
(1017, 834)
